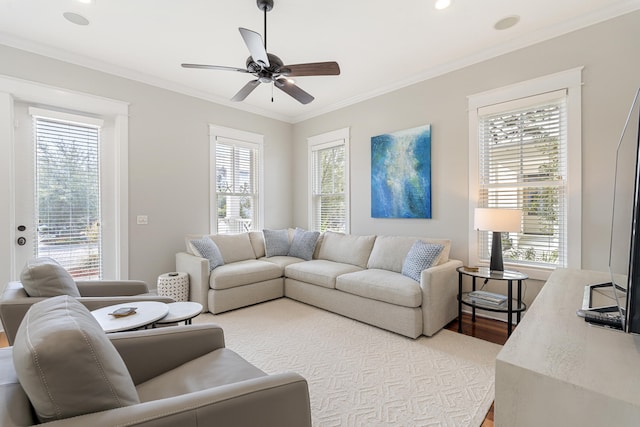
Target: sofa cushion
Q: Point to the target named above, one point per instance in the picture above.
(215, 369)
(346, 248)
(234, 247)
(319, 272)
(420, 257)
(66, 364)
(205, 248)
(282, 261)
(44, 277)
(276, 242)
(257, 243)
(303, 244)
(243, 273)
(389, 252)
(382, 285)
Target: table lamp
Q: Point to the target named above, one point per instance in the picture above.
(497, 220)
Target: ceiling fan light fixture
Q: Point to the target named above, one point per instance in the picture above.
(442, 4)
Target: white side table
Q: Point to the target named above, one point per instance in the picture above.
(174, 285)
(181, 311)
(147, 312)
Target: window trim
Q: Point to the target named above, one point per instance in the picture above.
(116, 163)
(571, 81)
(327, 140)
(243, 138)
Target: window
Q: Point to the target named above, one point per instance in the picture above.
(329, 181)
(67, 193)
(523, 142)
(236, 181)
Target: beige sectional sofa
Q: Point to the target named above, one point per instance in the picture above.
(356, 276)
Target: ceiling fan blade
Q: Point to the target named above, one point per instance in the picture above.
(255, 45)
(215, 67)
(311, 69)
(246, 90)
(293, 90)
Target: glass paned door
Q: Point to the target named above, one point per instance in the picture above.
(59, 202)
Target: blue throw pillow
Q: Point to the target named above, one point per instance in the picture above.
(276, 242)
(209, 250)
(420, 257)
(303, 244)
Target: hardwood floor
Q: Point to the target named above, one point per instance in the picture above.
(490, 330)
(485, 329)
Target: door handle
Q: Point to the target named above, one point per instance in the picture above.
(22, 241)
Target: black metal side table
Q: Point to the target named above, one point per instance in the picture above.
(513, 306)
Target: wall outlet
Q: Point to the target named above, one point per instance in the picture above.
(142, 220)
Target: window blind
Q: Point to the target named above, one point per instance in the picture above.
(328, 187)
(236, 185)
(67, 195)
(523, 165)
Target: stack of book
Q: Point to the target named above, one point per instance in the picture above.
(488, 298)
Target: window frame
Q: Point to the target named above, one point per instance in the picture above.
(241, 138)
(339, 137)
(571, 82)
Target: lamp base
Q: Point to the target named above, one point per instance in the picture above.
(496, 263)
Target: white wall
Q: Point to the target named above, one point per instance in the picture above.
(609, 54)
(168, 157)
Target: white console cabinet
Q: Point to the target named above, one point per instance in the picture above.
(557, 370)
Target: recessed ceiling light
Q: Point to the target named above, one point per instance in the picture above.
(75, 18)
(86, 1)
(442, 4)
(507, 22)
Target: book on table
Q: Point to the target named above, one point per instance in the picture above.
(485, 297)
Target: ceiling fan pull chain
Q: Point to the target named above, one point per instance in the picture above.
(272, 85)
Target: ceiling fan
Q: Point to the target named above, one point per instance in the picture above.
(268, 68)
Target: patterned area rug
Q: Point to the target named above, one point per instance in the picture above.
(360, 375)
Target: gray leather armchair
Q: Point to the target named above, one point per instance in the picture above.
(185, 377)
(94, 294)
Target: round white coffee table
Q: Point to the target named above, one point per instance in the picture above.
(147, 312)
(183, 310)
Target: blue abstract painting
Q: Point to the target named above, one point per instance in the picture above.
(401, 174)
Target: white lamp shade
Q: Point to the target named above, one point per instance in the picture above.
(497, 219)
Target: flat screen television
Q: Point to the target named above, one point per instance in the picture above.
(622, 294)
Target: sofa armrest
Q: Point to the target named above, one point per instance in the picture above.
(170, 347)
(280, 400)
(439, 296)
(198, 270)
(107, 288)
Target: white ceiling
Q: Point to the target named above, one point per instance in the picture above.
(380, 45)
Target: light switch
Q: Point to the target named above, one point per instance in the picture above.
(142, 220)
